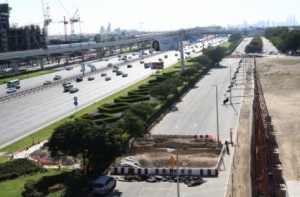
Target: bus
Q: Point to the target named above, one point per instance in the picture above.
(13, 84)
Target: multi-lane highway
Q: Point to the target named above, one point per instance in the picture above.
(24, 115)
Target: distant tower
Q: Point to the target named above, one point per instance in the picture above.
(102, 30)
(108, 28)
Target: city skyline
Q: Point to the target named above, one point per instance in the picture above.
(137, 15)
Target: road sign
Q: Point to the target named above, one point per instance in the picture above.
(172, 160)
(75, 98)
(75, 103)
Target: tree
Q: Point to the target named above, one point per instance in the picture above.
(255, 46)
(163, 90)
(97, 38)
(143, 110)
(215, 54)
(234, 37)
(80, 137)
(187, 73)
(132, 124)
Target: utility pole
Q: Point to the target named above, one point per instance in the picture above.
(217, 112)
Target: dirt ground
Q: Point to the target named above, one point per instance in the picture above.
(280, 79)
(192, 153)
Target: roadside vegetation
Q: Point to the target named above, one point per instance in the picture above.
(101, 132)
(255, 46)
(287, 41)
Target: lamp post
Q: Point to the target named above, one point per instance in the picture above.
(217, 110)
(230, 84)
(171, 150)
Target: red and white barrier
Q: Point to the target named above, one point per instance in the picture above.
(209, 172)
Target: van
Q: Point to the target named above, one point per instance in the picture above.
(14, 84)
(104, 185)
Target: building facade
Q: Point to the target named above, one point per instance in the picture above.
(18, 38)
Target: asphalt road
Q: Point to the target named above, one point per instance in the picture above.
(22, 116)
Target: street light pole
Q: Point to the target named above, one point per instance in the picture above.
(178, 194)
(230, 86)
(217, 110)
(171, 150)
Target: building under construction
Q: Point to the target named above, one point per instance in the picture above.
(15, 38)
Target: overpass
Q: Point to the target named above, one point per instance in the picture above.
(14, 58)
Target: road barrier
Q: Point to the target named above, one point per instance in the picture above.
(205, 172)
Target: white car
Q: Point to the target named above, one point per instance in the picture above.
(47, 83)
(104, 185)
(128, 163)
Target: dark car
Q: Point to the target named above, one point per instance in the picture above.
(91, 78)
(78, 79)
(129, 66)
(141, 62)
(124, 75)
(103, 74)
(119, 72)
(107, 78)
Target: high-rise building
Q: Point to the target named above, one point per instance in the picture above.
(15, 39)
(4, 27)
(108, 28)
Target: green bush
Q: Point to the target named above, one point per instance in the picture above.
(113, 108)
(19, 167)
(131, 99)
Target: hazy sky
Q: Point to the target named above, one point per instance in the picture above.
(154, 14)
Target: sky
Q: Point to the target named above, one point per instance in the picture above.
(150, 15)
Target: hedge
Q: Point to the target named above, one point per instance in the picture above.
(113, 108)
(131, 99)
(18, 167)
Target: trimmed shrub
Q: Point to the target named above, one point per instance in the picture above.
(19, 167)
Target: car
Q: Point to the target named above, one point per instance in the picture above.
(78, 79)
(117, 67)
(104, 184)
(107, 78)
(109, 65)
(119, 72)
(129, 58)
(66, 83)
(103, 74)
(73, 90)
(11, 90)
(69, 68)
(129, 66)
(147, 65)
(114, 70)
(57, 77)
(124, 75)
(141, 62)
(91, 78)
(166, 56)
(127, 163)
(159, 59)
(46, 83)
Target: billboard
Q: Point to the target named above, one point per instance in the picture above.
(165, 44)
(157, 65)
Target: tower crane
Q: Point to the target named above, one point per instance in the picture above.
(47, 21)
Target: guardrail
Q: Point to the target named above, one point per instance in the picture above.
(37, 88)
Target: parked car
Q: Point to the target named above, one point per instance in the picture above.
(73, 90)
(57, 77)
(107, 78)
(104, 185)
(78, 79)
(91, 78)
(46, 83)
(129, 66)
(126, 163)
(103, 74)
(11, 90)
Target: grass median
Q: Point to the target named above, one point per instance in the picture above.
(24, 75)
